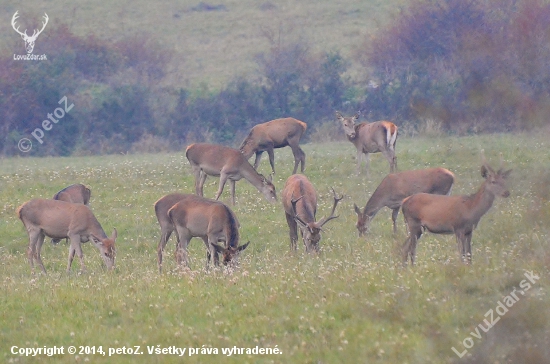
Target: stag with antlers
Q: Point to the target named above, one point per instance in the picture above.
(300, 204)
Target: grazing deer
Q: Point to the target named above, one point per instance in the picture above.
(300, 204)
(397, 186)
(210, 220)
(162, 206)
(457, 215)
(60, 219)
(228, 164)
(77, 193)
(379, 136)
(276, 133)
(29, 41)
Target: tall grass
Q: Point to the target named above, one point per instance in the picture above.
(352, 303)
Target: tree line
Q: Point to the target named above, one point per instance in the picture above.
(470, 65)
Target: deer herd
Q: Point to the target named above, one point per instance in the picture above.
(424, 197)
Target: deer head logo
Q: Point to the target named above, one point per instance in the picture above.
(29, 41)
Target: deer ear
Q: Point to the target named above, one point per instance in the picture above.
(356, 116)
(506, 173)
(338, 115)
(270, 178)
(357, 210)
(485, 170)
(243, 247)
(114, 234)
(96, 239)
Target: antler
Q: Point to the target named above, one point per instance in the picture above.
(43, 26)
(13, 19)
(336, 200)
(296, 217)
(35, 33)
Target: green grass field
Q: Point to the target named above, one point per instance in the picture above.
(354, 303)
(210, 47)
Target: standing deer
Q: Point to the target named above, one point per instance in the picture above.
(29, 41)
(457, 215)
(300, 204)
(276, 133)
(77, 193)
(162, 206)
(210, 220)
(60, 219)
(228, 164)
(397, 186)
(379, 136)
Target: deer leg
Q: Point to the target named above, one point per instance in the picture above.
(232, 190)
(197, 173)
(183, 237)
(164, 236)
(212, 250)
(38, 248)
(271, 158)
(200, 188)
(299, 158)
(390, 156)
(293, 227)
(75, 247)
(367, 163)
(258, 157)
(468, 246)
(394, 214)
(359, 157)
(33, 236)
(223, 178)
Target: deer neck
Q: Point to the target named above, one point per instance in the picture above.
(481, 202)
(374, 204)
(97, 230)
(249, 173)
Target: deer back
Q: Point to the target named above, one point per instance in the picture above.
(77, 193)
(447, 214)
(212, 158)
(275, 132)
(299, 187)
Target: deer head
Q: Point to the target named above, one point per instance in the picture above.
(230, 254)
(268, 189)
(348, 123)
(311, 232)
(107, 248)
(495, 181)
(363, 220)
(29, 41)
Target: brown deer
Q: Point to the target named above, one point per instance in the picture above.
(60, 219)
(300, 204)
(210, 220)
(276, 133)
(457, 215)
(228, 164)
(162, 206)
(397, 186)
(379, 136)
(77, 193)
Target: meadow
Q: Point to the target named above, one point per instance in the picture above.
(352, 303)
